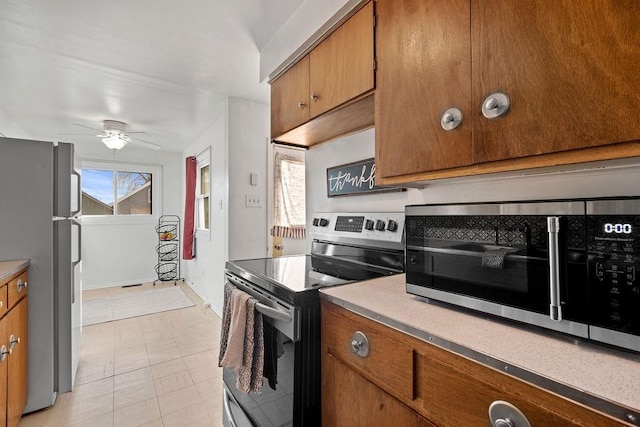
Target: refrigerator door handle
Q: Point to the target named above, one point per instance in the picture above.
(76, 262)
(78, 191)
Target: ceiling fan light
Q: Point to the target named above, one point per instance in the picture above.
(114, 142)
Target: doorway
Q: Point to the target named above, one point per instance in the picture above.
(286, 194)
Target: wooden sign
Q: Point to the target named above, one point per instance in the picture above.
(355, 178)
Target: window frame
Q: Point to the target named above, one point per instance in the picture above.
(202, 160)
(156, 193)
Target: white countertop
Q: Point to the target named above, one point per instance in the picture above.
(588, 367)
(9, 268)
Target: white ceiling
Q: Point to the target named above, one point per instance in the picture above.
(161, 66)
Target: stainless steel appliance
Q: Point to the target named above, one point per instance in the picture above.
(40, 221)
(564, 265)
(346, 247)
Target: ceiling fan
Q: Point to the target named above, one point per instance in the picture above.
(114, 135)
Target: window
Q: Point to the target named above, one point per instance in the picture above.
(118, 190)
(203, 196)
(289, 197)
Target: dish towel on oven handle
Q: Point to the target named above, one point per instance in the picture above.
(242, 340)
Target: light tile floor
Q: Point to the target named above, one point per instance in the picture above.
(154, 370)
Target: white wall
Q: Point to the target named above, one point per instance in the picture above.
(124, 253)
(248, 132)
(238, 148)
(600, 179)
(205, 273)
(10, 128)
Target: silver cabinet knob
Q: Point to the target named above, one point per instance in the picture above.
(503, 423)
(360, 344)
(13, 341)
(4, 352)
(451, 119)
(301, 105)
(1, 304)
(504, 414)
(278, 246)
(495, 105)
(21, 285)
(315, 96)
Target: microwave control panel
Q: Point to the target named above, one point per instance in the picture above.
(614, 266)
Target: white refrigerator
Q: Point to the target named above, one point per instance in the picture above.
(40, 206)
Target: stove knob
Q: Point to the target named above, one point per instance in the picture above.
(392, 225)
(380, 225)
(323, 222)
(316, 221)
(368, 225)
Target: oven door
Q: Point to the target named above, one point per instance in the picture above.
(526, 266)
(271, 407)
(275, 405)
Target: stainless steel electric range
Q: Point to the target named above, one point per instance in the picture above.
(346, 247)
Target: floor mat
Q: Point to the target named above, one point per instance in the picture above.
(133, 304)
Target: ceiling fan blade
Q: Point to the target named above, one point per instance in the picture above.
(83, 126)
(152, 144)
(80, 134)
(146, 133)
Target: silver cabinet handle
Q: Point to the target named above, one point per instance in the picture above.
(360, 344)
(315, 97)
(4, 352)
(451, 119)
(13, 341)
(504, 414)
(21, 285)
(1, 304)
(553, 227)
(495, 105)
(301, 105)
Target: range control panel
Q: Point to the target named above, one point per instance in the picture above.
(368, 227)
(614, 265)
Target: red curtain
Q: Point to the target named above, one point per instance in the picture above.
(188, 248)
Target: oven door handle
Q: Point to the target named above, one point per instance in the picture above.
(273, 313)
(227, 408)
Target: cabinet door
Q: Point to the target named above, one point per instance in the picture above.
(569, 67)
(4, 339)
(423, 68)
(290, 99)
(348, 399)
(18, 361)
(341, 67)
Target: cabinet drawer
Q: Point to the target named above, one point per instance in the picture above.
(388, 364)
(17, 289)
(4, 306)
(454, 397)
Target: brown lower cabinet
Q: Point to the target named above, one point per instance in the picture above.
(14, 360)
(430, 387)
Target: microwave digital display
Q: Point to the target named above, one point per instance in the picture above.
(617, 228)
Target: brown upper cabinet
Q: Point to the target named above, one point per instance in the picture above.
(290, 99)
(569, 70)
(328, 92)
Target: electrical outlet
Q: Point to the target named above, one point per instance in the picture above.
(252, 201)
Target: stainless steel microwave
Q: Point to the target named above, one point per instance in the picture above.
(569, 265)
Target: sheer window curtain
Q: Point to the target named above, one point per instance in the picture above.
(289, 197)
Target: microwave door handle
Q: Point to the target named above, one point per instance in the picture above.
(553, 227)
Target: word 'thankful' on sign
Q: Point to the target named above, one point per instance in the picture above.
(355, 178)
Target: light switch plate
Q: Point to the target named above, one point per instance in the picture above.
(252, 201)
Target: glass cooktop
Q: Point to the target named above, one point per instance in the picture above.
(296, 273)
